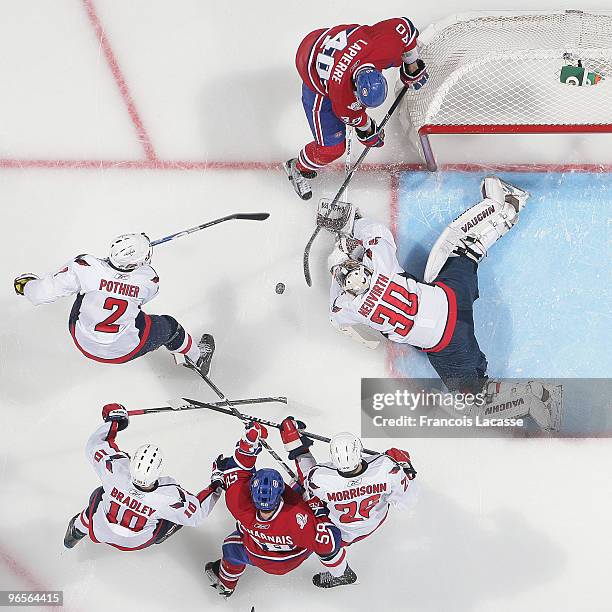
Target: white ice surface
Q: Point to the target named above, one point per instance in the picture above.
(501, 525)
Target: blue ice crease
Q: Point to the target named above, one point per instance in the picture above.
(545, 287)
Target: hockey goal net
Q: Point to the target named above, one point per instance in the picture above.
(520, 72)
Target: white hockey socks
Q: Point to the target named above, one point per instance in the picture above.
(188, 349)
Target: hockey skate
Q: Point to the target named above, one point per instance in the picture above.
(325, 580)
(212, 572)
(300, 181)
(207, 349)
(73, 535)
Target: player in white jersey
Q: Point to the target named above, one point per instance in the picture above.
(370, 288)
(106, 322)
(353, 490)
(135, 507)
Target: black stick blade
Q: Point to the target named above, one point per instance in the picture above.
(252, 216)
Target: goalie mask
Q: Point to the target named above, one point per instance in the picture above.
(353, 276)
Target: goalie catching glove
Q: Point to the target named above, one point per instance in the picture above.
(371, 135)
(295, 442)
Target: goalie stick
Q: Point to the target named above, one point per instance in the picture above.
(347, 180)
(197, 228)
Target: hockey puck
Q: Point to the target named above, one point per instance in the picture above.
(280, 288)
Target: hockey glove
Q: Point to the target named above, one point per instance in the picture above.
(250, 443)
(295, 443)
(116, 412)
(415, 78)
(217, 481)
(371, 136)
(21, 281)
(402, 458)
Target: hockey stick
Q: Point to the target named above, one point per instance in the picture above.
(238, 414)
(197, 228)
(195, 405)
(347, 180)
(248, 417)
(308, 434)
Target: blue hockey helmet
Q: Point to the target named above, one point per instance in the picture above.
(267, 488)
(371, 87)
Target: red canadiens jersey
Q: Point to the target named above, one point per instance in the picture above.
(281, 543)
(327, 59)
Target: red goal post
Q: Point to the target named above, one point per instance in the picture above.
(523, 72)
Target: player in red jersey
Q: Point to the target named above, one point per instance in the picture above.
(341, 72)
(276, 529)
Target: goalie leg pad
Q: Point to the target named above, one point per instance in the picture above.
(513, 400)
(471, 234)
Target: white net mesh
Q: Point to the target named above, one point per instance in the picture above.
(506, 69)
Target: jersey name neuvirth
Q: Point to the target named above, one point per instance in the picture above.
(374, 294)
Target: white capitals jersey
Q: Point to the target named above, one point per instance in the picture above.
(396, 305)
(358, 505)
(126, 517)
(106, 322)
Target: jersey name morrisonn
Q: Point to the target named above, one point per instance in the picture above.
(379, 487)
(120, 288)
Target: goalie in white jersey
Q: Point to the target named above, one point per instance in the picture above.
(354, 490)
(106, 321)
(135, 507)
(370, 288)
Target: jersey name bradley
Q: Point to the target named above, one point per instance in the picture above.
(379, 487)
(120, 288)
(374, 294)
(131, 503)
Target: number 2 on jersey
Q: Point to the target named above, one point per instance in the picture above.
(108, 326)
(353, 513)
(404, 301)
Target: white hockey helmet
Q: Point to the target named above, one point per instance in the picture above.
(345, 451)
(129, 251)
(145, 466)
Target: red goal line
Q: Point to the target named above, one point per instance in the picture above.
(392, 168)
(593, 128)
